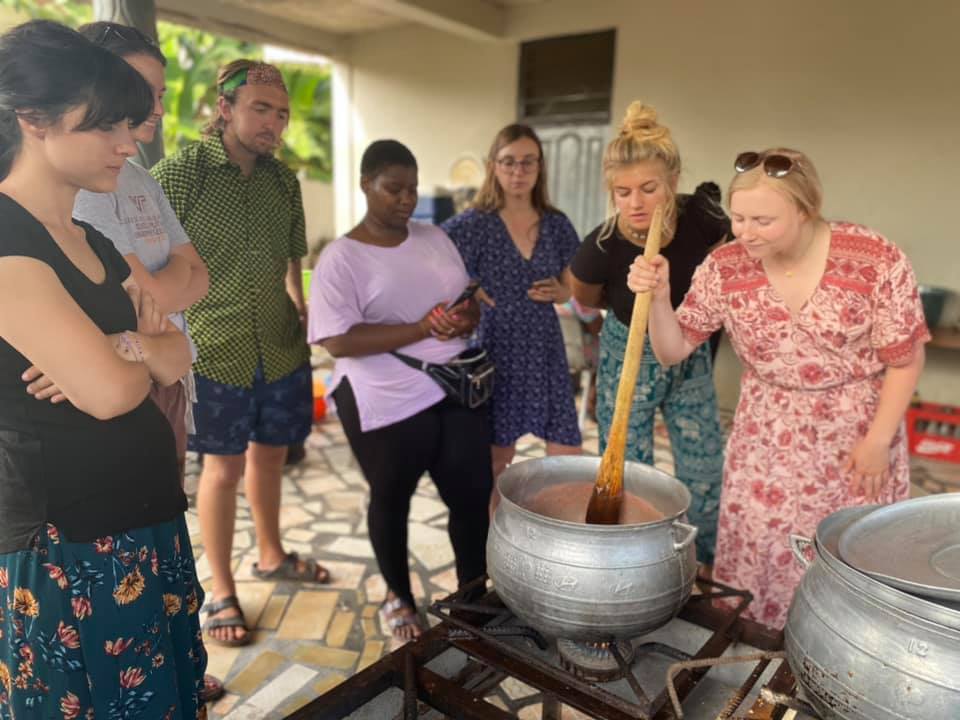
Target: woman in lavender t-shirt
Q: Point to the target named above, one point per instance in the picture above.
(384, 286)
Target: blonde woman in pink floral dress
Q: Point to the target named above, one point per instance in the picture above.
(827, 322)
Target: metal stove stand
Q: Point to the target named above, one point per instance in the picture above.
(480, 630)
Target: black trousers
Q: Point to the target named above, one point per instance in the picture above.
(450, 442)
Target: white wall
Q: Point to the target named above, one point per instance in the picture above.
(317, 209)
(440, 94)
(868, 89)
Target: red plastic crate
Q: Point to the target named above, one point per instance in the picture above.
(933, 431)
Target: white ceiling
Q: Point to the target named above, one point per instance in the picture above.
(337, 16)
(323, 25)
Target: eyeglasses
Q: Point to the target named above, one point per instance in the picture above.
(527, 165)
(775, 165)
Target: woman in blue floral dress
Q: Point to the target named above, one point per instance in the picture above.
(519, 247)
(99, 597)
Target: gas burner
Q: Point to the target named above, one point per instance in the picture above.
(597, 662)
(478, 643)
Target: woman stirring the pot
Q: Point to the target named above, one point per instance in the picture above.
(826, 319)
(387, 285)
(642, 166)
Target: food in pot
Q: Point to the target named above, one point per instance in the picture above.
(568, 501)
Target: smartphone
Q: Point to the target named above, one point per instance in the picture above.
(468, 292)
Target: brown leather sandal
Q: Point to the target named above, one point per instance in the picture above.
(233, 621)
(311, 571)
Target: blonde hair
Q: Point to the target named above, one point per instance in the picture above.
(642, 139)
(801, 184)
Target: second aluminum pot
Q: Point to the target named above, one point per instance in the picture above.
(866, 651)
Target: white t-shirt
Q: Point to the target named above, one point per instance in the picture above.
(138, 220)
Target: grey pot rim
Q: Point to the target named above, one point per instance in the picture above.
(668, 520)
(901, 601)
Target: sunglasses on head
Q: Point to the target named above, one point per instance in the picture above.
(124, 33)
(775, 165)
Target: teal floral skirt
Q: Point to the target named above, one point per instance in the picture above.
(107, 629)
(687, 398)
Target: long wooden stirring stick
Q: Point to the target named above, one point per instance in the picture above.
(606, 502)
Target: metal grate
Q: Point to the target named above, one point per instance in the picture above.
(496, 647)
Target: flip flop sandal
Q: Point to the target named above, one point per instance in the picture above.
(212, 689)
(312, 571)
(234, 621)
(394, 620)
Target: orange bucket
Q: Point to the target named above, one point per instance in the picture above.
(319, 401)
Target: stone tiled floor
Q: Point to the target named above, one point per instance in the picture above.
(310, 638)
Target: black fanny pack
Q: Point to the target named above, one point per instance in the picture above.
(468, 378)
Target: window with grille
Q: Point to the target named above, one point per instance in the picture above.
(567, 79)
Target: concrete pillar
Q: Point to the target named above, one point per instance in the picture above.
(349, 205)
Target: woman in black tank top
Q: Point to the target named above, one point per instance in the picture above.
(98, 592)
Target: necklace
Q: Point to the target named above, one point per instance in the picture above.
(813, 238)
(638, 235)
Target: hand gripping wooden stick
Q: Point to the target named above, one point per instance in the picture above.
(607, 499)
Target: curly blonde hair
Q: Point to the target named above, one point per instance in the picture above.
(642, 139)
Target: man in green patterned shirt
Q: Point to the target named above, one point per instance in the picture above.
(243, 211)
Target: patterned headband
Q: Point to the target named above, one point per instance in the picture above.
(256, 74)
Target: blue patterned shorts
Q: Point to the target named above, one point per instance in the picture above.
(228, 417)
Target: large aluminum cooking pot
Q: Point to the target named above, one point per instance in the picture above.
(590, 582)
(827, 541)
(866, 651)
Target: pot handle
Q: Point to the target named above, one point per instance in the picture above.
(691, 531)
(799, 544)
